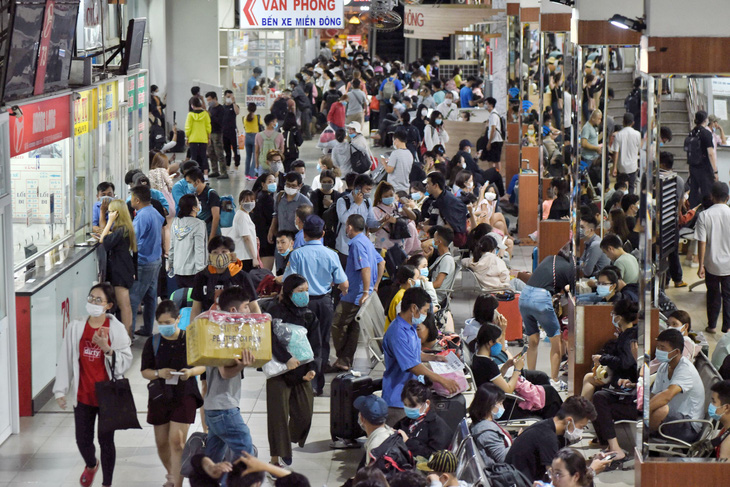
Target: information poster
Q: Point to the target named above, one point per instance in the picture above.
(85, 112)
(33, 178)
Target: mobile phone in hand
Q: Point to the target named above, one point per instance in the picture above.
(522, 352)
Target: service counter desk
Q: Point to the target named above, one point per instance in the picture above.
(45, 304)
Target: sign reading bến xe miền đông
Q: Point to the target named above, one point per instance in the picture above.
(292, 14)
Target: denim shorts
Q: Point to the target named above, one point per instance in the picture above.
(536, 308)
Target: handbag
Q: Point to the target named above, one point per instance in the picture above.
(116, 404)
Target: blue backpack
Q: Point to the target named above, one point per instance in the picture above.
(228, 211)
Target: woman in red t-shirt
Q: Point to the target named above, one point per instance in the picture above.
(85, 358)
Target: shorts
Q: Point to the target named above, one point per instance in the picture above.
(495, 153)
(536, 308)
(681, 431)
(183, 412)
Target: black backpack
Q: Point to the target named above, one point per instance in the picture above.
(332, 221)
(632, 104)
(394, 258)
(279, 109)
(331, 97)
(392, 456)
(506, 475)
(291, 149)
(693, 148)
(359, 160)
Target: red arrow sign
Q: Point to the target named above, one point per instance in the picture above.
(249, 14)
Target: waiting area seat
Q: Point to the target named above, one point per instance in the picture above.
(371, 318)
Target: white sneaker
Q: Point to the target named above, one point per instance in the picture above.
(559, 385)
(694, 265)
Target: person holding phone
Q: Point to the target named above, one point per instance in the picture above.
(90, 349)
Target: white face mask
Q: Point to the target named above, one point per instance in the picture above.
(448, 101)
(424, 112)
(573, 436)
(249, 206)
(95, 310)
(229, 101)
(291, 191)
(490, 196)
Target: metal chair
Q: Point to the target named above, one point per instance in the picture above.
(371, 318)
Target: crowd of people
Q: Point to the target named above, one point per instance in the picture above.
(314, 255)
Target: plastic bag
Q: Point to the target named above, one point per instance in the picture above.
(296, 344)
(327, 135)
(457, 376)
(281, 331)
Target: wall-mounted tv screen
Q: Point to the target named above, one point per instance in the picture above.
(60, 47)
(133, 45)
(25, 33)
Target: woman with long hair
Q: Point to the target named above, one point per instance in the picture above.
(289, 396)
(94, 350)
(385, 209)
(251, 125)
(435, 133)
(485, 410)
(121, 248)
(265, 188)
(188, 254)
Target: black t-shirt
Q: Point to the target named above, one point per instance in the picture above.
(216, 118)
(171, 354)
(706, 142)
(484, 369)
(560, 208)
(229, 119)
(533, 451)
(543, 275)
(208, 286)
(208, 199)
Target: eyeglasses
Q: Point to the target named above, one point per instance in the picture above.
(555, 474)
(95, 300)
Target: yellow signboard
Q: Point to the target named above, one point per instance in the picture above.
(85, 112)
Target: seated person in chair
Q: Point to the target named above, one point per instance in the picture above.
(719, 409)
(677, 392)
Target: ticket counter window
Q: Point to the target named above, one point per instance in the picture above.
(40, 182)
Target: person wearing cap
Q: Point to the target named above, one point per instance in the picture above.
(321, 268)
(373, 412)
(441, 469)
(357, 139)
(402, 352)
(253, 80)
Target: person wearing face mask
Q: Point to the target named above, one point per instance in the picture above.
(719, 410)
(448, 108)
(264, 189)
(243, 231)
(326, 163)
(187, 249)
(289, 396)
(336, 113)
(607, 288)
(390, 232)
(173, 397)
(593, 259)
(402, 351)
(534, 450)
(465, 152)
(485, 410)
(182, 187)
(324, 197)
(230, 132)
(210, 202)
(267, 141)
(357, 202)
(93, 350)
(677, 392)
(286, 205)
(215, 150)
(197, 132)
(224, 270)
(372, 416)
(406, 278)
(284, 247)
(435, 133)
(423, 430)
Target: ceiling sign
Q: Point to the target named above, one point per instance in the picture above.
(439, 21)
(292, 14)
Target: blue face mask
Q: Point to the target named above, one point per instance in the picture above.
(603, 290)
(426, 194)
(435, 245)
(419, 320)
(417, 283)
(424, 272)
(271, 188)
(415, 196)
(412, 413)
(285, 253)
(300, 299)
(319, 168)
(662, 356)
(191, 187)
(495, 349)
(712, 411)
(389, 200)
(439, 122)
(352, 136)
(499, 413)
(276, 125)
(166, 330)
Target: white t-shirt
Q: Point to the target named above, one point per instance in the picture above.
(495, 121)
(712, 227)
(401, 160)
(691, 401)
(242, 226)
(628, 140)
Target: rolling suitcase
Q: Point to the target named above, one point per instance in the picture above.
(343, 416)
(451, 409)
(511, 310)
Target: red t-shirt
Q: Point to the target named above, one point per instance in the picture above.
(91, 366)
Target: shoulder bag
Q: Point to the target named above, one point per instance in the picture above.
(116, 404)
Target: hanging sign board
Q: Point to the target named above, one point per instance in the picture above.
(439, 21)
(292, 14)
(41, 124)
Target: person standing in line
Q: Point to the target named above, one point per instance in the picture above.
(189, 238)
(197, 132)
(90, 348)
(230, 132)
(243, 231)
(589, 140)
(216, 153)
(356, 202)
(182, 187)
(711, 231)
(148, 228)
(172, 412)
(703, 171)
(357, 104)
(399, 163)
(628, 140)
(495, 137)
(448, 108)
(253, 80)
(321, 268)
(266, 141)
(251, 125)
(434, 133)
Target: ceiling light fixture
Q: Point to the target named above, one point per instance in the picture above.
(567, 3)
(627, 23)
(354, 20)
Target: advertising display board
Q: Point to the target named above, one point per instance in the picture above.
(292, 14)
(40, 124)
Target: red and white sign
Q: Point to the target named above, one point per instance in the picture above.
(40, 124)
(40, 75)
(292, 14)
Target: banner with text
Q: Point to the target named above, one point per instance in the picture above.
(292, 14)
(439, 21)
(40, 124)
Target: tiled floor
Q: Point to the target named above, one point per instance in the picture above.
(45, 454)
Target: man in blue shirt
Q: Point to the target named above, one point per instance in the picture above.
(148, 229)
(253, 80)
(105, 194)
(402, 351)
(386, 95)
(182, 187)
(364, 270)
(355, 203)
(466, 95)
(321, 267)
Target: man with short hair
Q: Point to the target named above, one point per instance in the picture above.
(719, 410)
(593, 259)
(267, 140)
(197, 132)
(253, 80)
(466, 94)
(704, 173)
(300, 216)
(626, 263)
(182, 187)
(495, 137)
(230, 131)
(300, 167)
(446, 208)
(357, 202)
(215, 144)
(373, 411)
(357, 103)
(591, 149)
(443, 269)
(287, 204)
(148, 230)
(321, 267)
(448, 108)
(533, 451)
(398, 166)
(711, 231)
(628, 141)
(385, 95)
(364, 270)
(678, 392)
(105, 194)
(465, 152)
(210, 202)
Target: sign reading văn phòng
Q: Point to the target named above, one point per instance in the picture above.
(292, 14)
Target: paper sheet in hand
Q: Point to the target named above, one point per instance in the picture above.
(452, 364)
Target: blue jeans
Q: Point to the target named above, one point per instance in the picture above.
(250, 154)
(226, 429)
(536, 308)
(144, 290)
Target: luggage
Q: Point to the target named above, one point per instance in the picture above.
(452, 410)
(511, 311)
(343, 416)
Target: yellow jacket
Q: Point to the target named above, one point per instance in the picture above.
(197, 127)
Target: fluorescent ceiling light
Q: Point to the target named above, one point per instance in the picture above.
(627, 23)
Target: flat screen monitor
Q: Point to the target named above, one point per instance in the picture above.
(25, 32)
(133, 45)
(60, 46)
